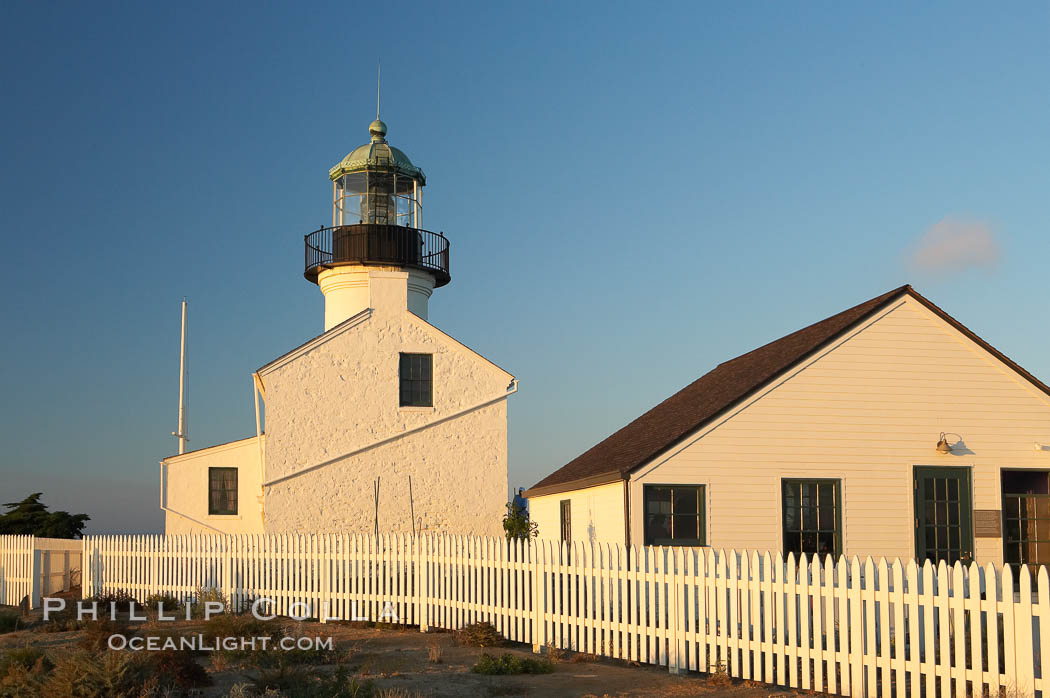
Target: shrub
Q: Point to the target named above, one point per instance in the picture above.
(24, 657)
(241, 626)
(294, 681)
(516, 522)
(225, 625)
(109, 675)
(172, 606)
(204, 595)
(120, 599)
(479, 635)
(511, 664)
(175, 668)
(9, 622)
(77, 673)
(20, 682)
(61, 621)
(97, 632)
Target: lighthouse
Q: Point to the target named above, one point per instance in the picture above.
(376, 243)
(381, 421)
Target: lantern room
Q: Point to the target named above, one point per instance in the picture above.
(377, 184)
(377, 214)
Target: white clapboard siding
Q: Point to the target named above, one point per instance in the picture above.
(16, 569)
(848, 627)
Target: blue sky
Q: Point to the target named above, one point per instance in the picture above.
(633, 195)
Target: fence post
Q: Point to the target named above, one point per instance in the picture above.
(151, 550)
(322, 551)
(36, 577)
(422, 550)
(1024, 672)
(674, 556)
(227, 569)
(536, 563)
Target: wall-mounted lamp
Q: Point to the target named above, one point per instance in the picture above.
(1042, 447)
(942, 443)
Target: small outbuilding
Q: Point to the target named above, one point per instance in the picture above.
(889, 429)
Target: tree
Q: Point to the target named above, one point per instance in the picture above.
(31, 517)
(517, 524)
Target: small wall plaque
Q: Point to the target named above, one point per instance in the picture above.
(987, 523)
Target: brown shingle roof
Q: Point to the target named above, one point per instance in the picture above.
(700, 402)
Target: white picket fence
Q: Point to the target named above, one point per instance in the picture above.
(852, 628)
(16, 569)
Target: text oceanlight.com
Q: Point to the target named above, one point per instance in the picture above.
(197, 643)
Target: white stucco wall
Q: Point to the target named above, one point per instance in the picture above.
(867, 411)
(341, 395)
(348, 289)
(597, 514)
(184, 489)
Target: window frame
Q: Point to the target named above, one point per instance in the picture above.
(565, 519)
(837, 482)
(701, 514)
(401, 379)
(1005, 520)
(212, 511)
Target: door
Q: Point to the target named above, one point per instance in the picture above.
(943, 515)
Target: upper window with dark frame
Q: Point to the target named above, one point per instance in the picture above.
(812, 517)
(222, 491)
(566, 520)
(416, 372)
(674, 515)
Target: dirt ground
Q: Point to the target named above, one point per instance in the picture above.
(398, 661)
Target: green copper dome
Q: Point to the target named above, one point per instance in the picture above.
(377, 155)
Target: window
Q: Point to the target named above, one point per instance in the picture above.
(566, 520)
(674, 515)
(222, 491)
(1026, 518)
(416, 372)
(812, 517)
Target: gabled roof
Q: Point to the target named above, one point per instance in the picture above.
(700, 402)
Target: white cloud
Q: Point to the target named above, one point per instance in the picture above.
(953, 245)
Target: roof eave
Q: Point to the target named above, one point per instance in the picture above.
(580, 484)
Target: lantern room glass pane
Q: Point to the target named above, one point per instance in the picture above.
(382, 198)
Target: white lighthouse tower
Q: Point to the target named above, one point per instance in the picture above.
(380, 396)
(376, 238)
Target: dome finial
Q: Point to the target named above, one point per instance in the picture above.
(377, 129)
(379, 76)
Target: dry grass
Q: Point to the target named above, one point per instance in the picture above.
(220, 661)
(584, 658)
(720, 676)
(479, 635)
(434, 652)
(554, 653)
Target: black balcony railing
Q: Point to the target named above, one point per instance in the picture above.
(374, 243)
